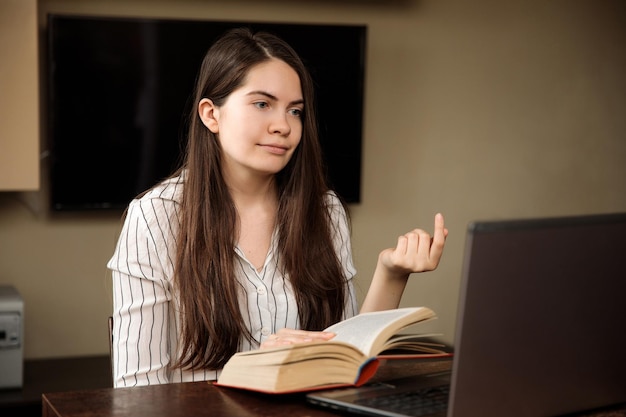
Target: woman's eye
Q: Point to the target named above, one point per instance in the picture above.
(296, 112)
(261, 104)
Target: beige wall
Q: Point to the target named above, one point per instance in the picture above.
(480, 109)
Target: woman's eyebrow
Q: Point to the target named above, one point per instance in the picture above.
(273, 97)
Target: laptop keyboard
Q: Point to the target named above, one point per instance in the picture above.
(414, 403)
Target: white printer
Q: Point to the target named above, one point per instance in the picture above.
(11, 337)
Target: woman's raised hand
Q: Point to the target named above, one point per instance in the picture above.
(416, 251)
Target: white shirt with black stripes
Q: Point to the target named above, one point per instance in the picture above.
(145, 306)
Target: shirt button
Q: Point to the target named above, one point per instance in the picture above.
(265, 331)
(261, 290)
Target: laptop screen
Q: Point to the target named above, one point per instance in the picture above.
(540, 329)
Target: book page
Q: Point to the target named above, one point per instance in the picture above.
(369, 331)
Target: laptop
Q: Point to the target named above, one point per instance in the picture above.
(541, 325)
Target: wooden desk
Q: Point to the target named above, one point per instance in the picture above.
(201, 399)
(204, 399)
(172, 400)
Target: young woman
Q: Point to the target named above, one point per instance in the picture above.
(245, 246)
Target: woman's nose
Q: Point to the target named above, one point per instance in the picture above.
(280, 124)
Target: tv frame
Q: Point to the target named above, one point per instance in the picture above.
(74, 144)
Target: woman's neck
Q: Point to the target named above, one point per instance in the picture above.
(257, 206)
(250, 188)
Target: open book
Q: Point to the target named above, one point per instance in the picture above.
(350, 358)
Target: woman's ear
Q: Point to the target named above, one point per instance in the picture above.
(208, 113)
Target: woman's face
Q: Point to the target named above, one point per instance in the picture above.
(259, 125)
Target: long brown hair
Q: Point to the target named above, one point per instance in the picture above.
(212, 324)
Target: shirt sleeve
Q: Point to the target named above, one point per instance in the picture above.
(141, 268)
(343, 247)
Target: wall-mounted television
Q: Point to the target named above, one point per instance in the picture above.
(118, 91)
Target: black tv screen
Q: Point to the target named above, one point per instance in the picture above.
(119, 90)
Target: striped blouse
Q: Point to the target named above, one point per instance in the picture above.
(145, 306)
